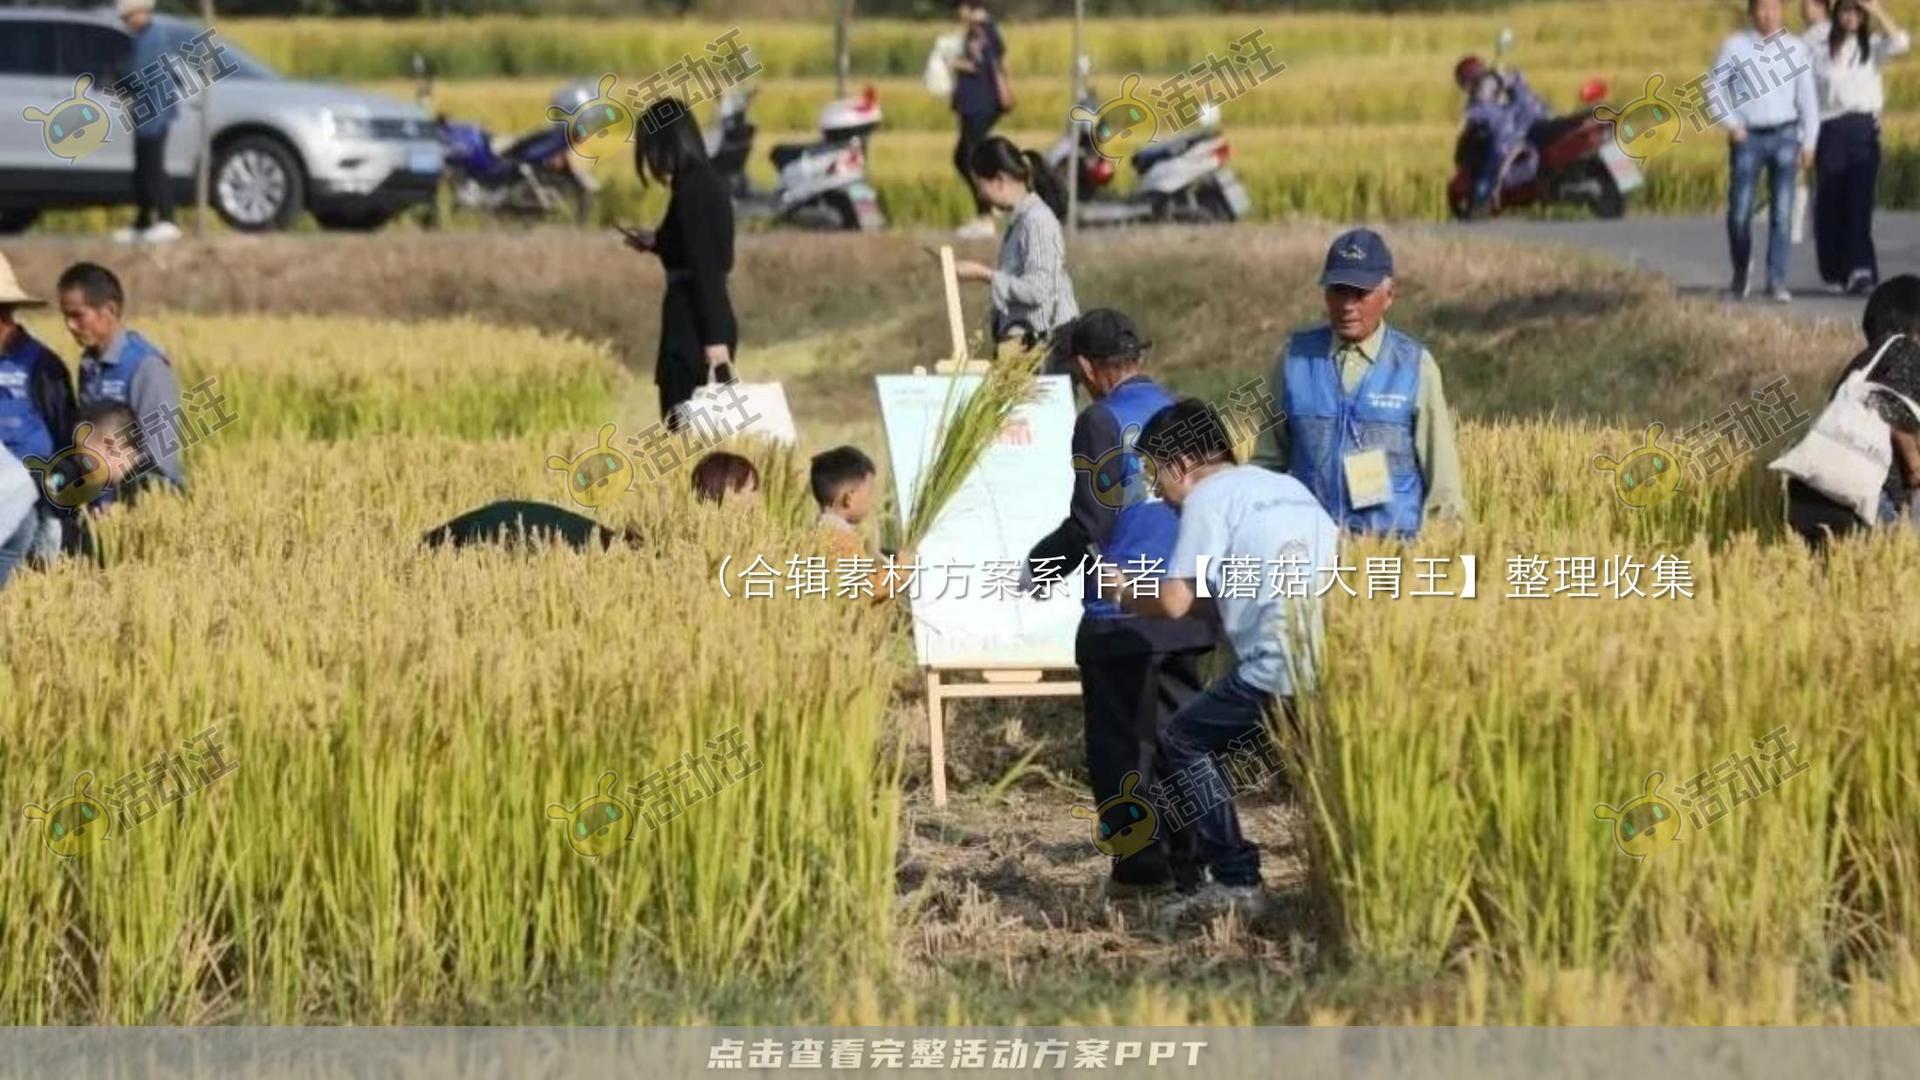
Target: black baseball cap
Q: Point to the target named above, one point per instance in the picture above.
(1103, 334)
(1357, 258)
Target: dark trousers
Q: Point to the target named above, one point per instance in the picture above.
(974, 129)
(1846, 166)
(1229, 715)
(151, 191)
(1126, 699)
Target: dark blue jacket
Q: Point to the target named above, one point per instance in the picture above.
(974, 92)
(1113, 514)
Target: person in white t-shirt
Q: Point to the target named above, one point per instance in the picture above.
(19, 524)
(1252, 545)
(1846, 68)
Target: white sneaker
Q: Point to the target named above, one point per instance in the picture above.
(1214, 899)
(1780, 294)
(166, 232)
(980, 228)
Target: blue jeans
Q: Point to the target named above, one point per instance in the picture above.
(14, 548)
(1778, 152)
(1230, 710)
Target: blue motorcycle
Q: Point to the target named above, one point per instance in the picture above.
(533, 177)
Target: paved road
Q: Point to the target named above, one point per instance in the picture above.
(1693, 252)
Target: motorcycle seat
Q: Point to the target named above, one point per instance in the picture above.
(1160, 151)
(786, 153)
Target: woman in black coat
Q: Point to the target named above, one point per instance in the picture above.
(698, 335)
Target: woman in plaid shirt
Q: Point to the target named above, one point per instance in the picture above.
(1031, 294)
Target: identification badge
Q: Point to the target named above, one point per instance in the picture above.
(1368, 480)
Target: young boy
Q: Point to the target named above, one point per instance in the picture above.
(842, 481)
(1241, 512)
(117, 365)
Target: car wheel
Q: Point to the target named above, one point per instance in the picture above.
(258, 184)
(352, 220)
(13, 222)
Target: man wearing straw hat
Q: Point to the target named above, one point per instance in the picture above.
(36, 394)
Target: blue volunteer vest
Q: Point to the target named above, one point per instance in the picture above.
(114, 382)
(1145, 527)
(23, 431)
(1326, 424)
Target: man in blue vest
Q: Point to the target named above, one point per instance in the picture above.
(1134, 671)
(117, 365)
(36, 393)
(1368, 430)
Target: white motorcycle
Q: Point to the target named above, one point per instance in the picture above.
(1184, 178)
(821, 184)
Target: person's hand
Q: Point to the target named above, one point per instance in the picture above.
(1806, 158)
(1736, 136)
(969, 270)
(717, 356)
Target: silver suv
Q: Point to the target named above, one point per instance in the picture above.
(279, 146)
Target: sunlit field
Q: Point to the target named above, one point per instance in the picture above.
(401, 720)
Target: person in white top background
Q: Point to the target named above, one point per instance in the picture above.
(1772, 122)
(1847, 57)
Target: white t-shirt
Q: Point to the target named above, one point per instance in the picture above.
(17, 493)
(1850, 82)
(1245, 518)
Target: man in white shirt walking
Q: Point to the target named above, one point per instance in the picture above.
(1763, 75)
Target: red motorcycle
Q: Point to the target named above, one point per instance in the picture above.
(1579, 164)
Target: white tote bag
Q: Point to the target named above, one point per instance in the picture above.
(1847, 454)
(719, 410)
(939, 73)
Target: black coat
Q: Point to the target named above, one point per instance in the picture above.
(695, 242)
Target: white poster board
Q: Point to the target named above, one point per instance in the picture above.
(1017, 494)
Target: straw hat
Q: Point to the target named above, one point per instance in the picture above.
(10, 291)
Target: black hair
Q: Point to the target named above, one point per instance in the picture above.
(1894, 308)
(998, 156)
(108, 417)
(667, 142)
(720, 474)
(95, 282)
(836, 470)
(1188, 432)
(1837, 37)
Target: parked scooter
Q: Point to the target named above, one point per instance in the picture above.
(1183, 178)
(821, 184)
(533, 176)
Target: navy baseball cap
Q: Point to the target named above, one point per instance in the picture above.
(1358, 258)
(1104, 333)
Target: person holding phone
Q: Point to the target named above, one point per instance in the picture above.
(1030, 294)
(698, 334)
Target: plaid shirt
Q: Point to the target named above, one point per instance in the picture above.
(1031, 288)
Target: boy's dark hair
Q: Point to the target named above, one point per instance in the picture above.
(95, 282)
(1189, 432)
(110, 418)
(1894, 308)
(836, 470)
(720, 474)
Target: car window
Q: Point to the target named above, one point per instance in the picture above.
(99, 51)
(26, 48)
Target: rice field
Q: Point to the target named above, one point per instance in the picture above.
(1361, 123)
(401, 721)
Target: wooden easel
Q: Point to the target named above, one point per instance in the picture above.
(994, 681)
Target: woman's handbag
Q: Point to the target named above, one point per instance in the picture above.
(1847, 454)
(1002, 86)
(724, 407)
